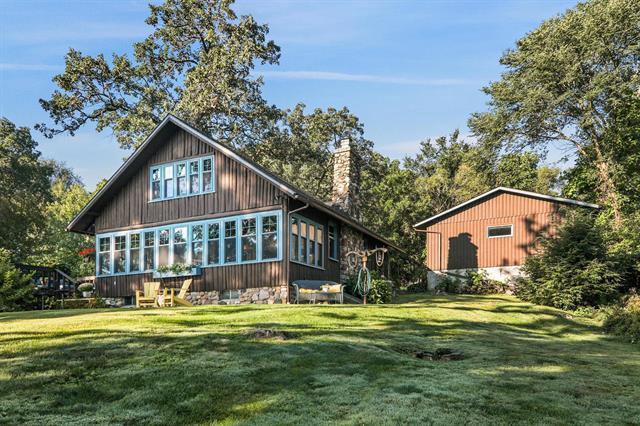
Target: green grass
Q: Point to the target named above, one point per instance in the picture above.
(345, 364)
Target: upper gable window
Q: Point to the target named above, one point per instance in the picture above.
(181, 178)
(500, 231)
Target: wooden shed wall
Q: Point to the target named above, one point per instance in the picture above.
(237, 189)
(459, 241)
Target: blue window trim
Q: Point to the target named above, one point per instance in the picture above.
(259, 216)
(300, 220)
(174, 165)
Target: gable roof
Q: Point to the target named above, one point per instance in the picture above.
(85, 217)
(502, 189)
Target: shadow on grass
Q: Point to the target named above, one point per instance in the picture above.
(352, 365)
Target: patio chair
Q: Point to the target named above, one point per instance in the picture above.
(170, 298)
(148, 298)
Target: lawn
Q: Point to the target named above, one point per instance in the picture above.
(342, 364)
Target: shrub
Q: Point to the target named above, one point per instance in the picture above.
(572, 269)
(381, 290)
(449, 284)
(478, 283)
(16, 289)
(624, 319)
(85, 287)
(418, 287)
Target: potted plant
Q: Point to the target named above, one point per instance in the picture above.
(176, 270)
(86, 289)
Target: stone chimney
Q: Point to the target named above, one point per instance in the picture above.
(346, 179)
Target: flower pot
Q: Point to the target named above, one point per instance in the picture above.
(86, 293)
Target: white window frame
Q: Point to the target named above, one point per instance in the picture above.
(489, 228)
(316, 225)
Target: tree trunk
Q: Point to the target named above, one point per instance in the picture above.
(608, 189)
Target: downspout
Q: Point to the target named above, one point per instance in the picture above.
(288, 243)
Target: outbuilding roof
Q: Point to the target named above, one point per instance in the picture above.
(502, 189)
(83, 220)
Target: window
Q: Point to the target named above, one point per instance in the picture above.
(295, 243)
(194, 176)
(207, 178)
(248, 242)
(180, 245)
(207, 243)
(163, 247)
(319, 242)
(303, 242)
(269, 237)
(119, 254)
(333, 241)
(307, 242)
(182, 178)
(155, 184)
(168, 181)
(311, 259)
(104, 256)
(230, 244)
(134, 253)
(213, 244)
(197, 234)
(149, 250)
(500, 231)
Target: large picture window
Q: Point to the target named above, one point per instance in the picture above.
(181, 178)
(134, 253)
(104, 256)
(119, 254)
(149, 250)
(269, 237)
(307, 244)
(249, 243)
(215, 242)
(230, 243)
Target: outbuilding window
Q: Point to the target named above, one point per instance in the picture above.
(500, 231)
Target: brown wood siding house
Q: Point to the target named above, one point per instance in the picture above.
(494, 232)
(184, 198)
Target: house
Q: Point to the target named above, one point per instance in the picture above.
(184, 199)
(493, 232)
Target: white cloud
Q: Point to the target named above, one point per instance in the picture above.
(363, 78)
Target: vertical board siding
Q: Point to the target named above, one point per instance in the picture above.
(460, 240)
(236, 189)
(268, 274)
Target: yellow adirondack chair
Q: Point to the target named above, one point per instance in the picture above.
(170, 298)
(148, 298)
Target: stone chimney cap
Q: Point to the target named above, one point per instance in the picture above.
(345, 144)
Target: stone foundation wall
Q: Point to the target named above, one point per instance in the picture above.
(261, 295)
(113, 302)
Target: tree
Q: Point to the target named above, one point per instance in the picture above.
(57, 247)
(16, 290)
(522, 171)
(196, 63)
(570, 80)
(573, 268)
(24, 179)
(301, 151)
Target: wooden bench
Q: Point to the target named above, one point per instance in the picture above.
(315, 291)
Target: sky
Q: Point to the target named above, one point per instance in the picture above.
(410, 70)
